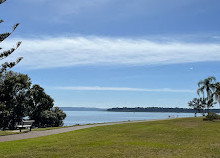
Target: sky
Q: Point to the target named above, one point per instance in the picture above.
(115, 53)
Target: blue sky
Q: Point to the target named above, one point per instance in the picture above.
(113, 53)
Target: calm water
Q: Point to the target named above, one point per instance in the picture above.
(85, 117)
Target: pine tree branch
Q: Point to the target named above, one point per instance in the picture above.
(2, 1)
(5, 54)
(5, 35)
(15, 26)
(7, 65)
(8, 52)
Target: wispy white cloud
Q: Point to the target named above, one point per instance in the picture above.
(73, 51)
(97, 88)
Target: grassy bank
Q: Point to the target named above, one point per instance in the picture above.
(188, 137)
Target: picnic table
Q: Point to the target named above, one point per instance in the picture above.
(25, 124)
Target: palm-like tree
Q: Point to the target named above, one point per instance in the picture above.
(217, 92)
(207, 86)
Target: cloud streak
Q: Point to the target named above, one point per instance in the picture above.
(48, 52)
(97, 88)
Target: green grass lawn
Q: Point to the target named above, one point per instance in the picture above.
(3, 133)
(48, 128)
(188, 137)
(8, 132)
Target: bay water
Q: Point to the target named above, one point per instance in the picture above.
(89, 117)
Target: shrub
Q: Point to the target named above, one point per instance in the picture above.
(212, 116)
(52, 118)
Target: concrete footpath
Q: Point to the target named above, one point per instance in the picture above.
(34, 134)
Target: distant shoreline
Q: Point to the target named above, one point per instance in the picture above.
(160, 109)
(139, 109)
(81, 109)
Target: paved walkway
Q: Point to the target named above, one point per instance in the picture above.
(34, 134)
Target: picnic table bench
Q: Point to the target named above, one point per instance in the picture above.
(25, 124)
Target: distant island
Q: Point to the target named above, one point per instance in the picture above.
(137, 109)
(157, 109)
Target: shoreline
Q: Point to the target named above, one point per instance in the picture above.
(91, 117)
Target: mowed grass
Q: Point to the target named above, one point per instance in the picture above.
(12, 132)
(187, 137)
(48, 128)
(8, 132)
(4, 133)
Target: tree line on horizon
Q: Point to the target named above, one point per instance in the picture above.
(158, 109)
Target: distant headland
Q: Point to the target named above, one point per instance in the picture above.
(157, 109)
(138, 109)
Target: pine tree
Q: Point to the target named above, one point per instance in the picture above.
(3, 54)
